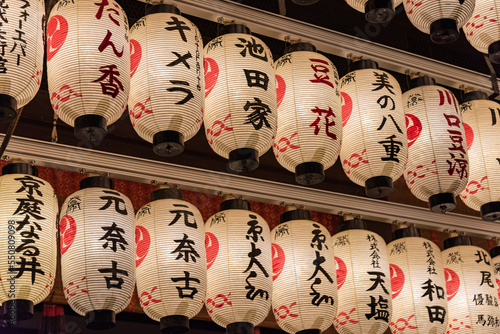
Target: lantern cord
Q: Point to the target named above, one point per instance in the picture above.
(494, 79)
(10, 131)
(282, 7)
(53, 136)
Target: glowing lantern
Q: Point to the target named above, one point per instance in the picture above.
(170, 262)
(240, 114)
(88, 65)
(374, 145)
(470, 285)
(97, 251)
(482, 125)
(23, 28)
(437, 169)
(239, 268)
(309, 113)
(166, 94)
(304, 285)
(495, 262)
(28, 259)
(363, 280)
(376, 11)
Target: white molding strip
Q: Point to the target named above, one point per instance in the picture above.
(142, 170)
(276, 26)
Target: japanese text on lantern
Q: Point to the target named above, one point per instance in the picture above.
(485, 299)
(19, 42)
(318, 242)
(379, 306)
(254, 234)
(433, 291)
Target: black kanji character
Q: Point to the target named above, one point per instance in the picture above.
(114, 197)
(258, 117)
(379, 310)
(254, 49)
(30, 185)
(317, 267)
(382, 82)
(253, 254)
(252, 291)
(377, 281)
(392, 148)
(181, 59)
(185, 249)
(256, 79)
(186, 279)
(189, 94)
(114, 235)
(186, 213)
(114, 276)
(393, 121)
(113, 85)
(178, 25)
(25, 266)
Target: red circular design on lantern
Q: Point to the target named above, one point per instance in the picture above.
(142, 243)
(211, 74)
(278, 256)
(67, 231)
(346, 103)
(135, 56)
(469, 135)
(413, 128)
(212, 248)
(280, 88)
(498, 287)
(57, 31)
(397, 280)
(452, 283)
(341, 272)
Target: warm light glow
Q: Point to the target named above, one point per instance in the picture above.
(483, 28)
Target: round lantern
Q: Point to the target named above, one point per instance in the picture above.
(304, 283)
(441, 19)
(97, 251)
(495, 263)
(363, 280)
(438, 167)
(28, 259)
(88, 65)
(166, 93)
(240, 114)
(482, 125)
(21, 62)
(374, 145)
(376, 11)
(239, 267)
(482, 29)
(170, 260)
(470, 285)
(309, 113)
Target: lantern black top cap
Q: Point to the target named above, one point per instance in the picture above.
(405, 232)
(475, 95)
(460, 240)
(422, 81)
(300, 46)
(167, 193)
(363, 64)
(96, 182)
(298, 214)
(495, 251)
(352, 224)
(163, 8)
(235, 28)
(238, 204)
(19, 168)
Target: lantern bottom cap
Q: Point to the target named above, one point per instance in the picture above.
(379, 186)
(444, 31)
(174, 324)
(239, 328)
(490, 211)
(442, 202)
(8, 107)
(17, 310)
(309, 173)
(379, 11)
(305, 2)
(494, 52)
(168, 143)
(90, 128)
(100, 319)
(309, 331)
(243, 160)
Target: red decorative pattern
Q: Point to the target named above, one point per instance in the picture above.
(148, 297)
(455, 325)
(401, 324)
(51, 283)
(211, 303)
(139, 109)
(279, 315)
(64, 94)
(473, 187)
(419, 173)
(354, 161)
(75, 289)
(219, 127)
(343, 318)
(287, 144)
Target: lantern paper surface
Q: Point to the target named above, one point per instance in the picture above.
(363, 280)
(304, 292)
(97, 250)
(472, 292)
(240, 94)
(482, 125)
(437, 152)
(483, 28)
(21, 64)
(495, 262)
(170, 258)
(374, 139)
(28, 260)
(418, 287)
(309, 111)
(166, 85)
(88, 59)
(239, 268)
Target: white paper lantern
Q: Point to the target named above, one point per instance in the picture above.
(482, 125)
(171, 265)
(376, 11)
(482, 30)
(240, 113)
(304, 281)
(363, 280)
(88, 65)
(418, 284)
(441, 19)
(167, 83)
(470, 285)
(239, 267)
(374, 145)
(28, 259)
(438, 167)
(495, 263)
(97, 251)
(309, 113)
(22, 27)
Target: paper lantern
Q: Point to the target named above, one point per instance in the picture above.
(495, 263)
(97, 251)
(28, 259)
(374, 145)
(239, 268)
(470, 285)
(482, 29)
(171, 265)
(21, 63)
(166, 85)
(88, 65)
(309, 113)
(304, 283)
(438, 167)
(240, 97)
(441, 19)
(482, 125)
(376, 11)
